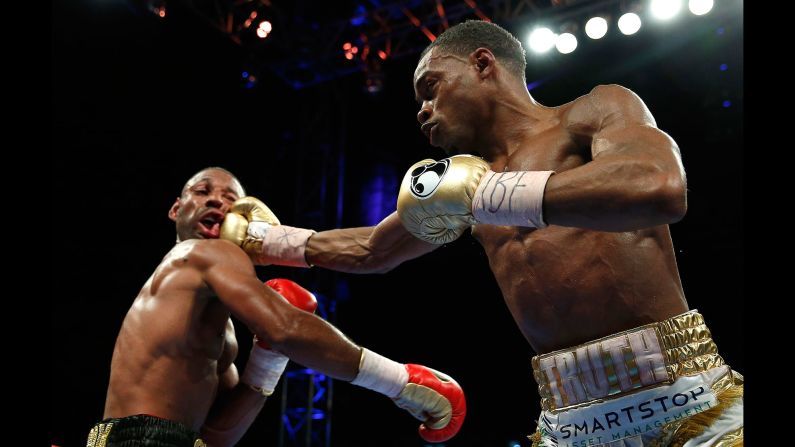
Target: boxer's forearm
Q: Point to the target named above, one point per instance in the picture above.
(617, 193)
(347, 250)
(636, 179)
(366, 249)
(231, 415)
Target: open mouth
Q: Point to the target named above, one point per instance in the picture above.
(210, 224)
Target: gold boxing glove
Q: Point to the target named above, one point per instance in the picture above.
(435, 199)
(246, 224)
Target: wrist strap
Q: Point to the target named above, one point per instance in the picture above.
(378, 373)
(263, 370)
(511, 198)
(282, 244)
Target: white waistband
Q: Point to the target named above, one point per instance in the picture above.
(631, 415)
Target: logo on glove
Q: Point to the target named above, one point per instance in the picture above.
(425, 179)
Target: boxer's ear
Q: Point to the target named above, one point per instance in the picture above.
(483, 60)
(172, 213)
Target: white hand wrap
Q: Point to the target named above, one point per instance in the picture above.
(511, 198)
(378, 373)
(263, 370)
(281, 244)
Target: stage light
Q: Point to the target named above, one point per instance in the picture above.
(665, 9)
(541, 40)
(629, 23)
(596, 27)
(700, 7)
(566, 43)
(264, 29)
(349, 50)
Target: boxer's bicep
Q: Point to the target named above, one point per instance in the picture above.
(635, 179)
(229, 273)
(626, 128)
(261, 309)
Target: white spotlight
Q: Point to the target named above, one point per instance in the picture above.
(665, 9)
(264, 29)
(629, 23)
(596, 28)
(700, 7)
(542, 40)
(566, 43)
(265, 26)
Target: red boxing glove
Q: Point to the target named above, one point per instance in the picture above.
(430, 396)
(265, 366)
(295, 294)
(436, 398)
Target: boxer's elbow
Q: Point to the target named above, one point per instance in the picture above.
(383, 269)
(670, 197)
(299, 331)
(676, 202)
(283, 338)
(277, 332)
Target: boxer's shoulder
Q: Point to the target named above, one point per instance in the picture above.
(203, 253)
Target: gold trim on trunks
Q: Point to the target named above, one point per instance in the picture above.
(619, 364)
(98, 436)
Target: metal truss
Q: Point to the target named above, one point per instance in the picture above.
(305, 50)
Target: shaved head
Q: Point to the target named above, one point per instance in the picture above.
(195, 178)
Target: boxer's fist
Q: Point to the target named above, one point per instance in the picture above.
(246, 223)
(435, 198)
(295, 294)
(434, 398)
